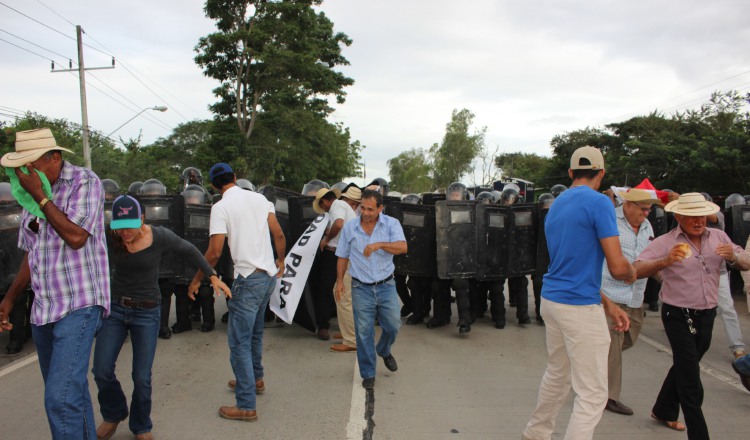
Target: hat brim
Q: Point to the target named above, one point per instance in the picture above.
(316, 202)
(129, 223)
(15, 160)
(707, 209)
(628, 196)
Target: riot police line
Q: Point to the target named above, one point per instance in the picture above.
(466, 246)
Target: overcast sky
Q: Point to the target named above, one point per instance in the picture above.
(527, 69)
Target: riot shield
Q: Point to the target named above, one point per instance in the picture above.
(542, 253)
(522, 256)
(493, 240)
(418, 223)
(740, 224)
(456, 239)
(301, 214)
(658, 219)
(197, 221)
(432, 198)
(387, 200)
(167, 211)
(280, 199)
(10, 255)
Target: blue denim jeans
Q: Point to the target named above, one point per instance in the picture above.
(743, 364)
(143, 326)
(369, 302)
(64, 350)
(245, 333)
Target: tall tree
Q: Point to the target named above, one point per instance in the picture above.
(272, 50)
(527, 166)
(452, 159)
(410, 172)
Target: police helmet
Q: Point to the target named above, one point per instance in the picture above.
(485, 197)
(379, 184)
(545, 200)
(5, 192)
(341, 186)
(510, 194)
(733, 199)
(498, 195)
(558, 189)
(245, 184)
(153, 187)
(111, 189)
(215, 199)
(313, 186)
(191, 175)
(194, 195)
(456, 191)
(135, 187)
(747, 199)
(707, 197)
(411, 199)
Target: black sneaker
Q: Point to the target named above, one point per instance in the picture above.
(368, 383)
(165, 332)
(390, 363)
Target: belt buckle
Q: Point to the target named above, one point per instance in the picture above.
(126, 301)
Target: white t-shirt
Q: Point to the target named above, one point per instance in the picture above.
(340, 210)
(243, 217)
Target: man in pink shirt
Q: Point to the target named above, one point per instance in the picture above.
(688, 259)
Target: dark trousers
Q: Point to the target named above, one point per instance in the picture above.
(682, 387)
(323, 289)
(404, 295)
(463, 303)
(441, 300)
(518, 289)
(537, 281)
(419, 288)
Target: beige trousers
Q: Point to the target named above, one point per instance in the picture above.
(621, 341)
(344, 312)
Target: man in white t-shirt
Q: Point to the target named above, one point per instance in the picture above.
(247, 221)
(340, 211)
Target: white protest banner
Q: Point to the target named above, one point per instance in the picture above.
(297, 264)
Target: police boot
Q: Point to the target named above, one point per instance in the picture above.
(417, 316)
(195, 311)
(182, 306)
(206, 301)
(464, 305)
(497, 304)
(441, 314)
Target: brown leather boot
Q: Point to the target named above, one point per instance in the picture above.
(234, 413)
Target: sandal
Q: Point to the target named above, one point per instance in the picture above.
(676, 425)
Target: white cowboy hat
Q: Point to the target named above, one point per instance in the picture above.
(692, 205)
(30, 146)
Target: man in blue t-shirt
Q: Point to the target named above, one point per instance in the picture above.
(581, 232)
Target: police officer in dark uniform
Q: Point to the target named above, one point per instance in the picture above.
(542, 254)
(517, 286)
(488, 289)
(418, 287)
(461, 286)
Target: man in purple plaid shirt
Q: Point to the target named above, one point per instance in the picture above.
(62, 233)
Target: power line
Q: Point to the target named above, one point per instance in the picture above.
(34, 44)
(27, 50)
(138, 107)
(55, 12)
(37, 21)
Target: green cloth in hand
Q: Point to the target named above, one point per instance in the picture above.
(22, 196)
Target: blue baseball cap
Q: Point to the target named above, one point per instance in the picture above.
(219, 170)
(126, 213)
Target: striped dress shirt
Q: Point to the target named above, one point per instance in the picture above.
(353, 240)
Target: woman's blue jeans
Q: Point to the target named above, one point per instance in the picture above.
(143, 326)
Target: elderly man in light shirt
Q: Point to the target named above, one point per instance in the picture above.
(635, 235)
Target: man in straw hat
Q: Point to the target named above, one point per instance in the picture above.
(581, 231)
(341, 211)
(66, 264)
(689, 260)
(635, 235)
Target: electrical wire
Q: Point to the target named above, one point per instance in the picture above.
(55, 12)
(36, 45)
(37, 21)
(27, 50)
(146, 115)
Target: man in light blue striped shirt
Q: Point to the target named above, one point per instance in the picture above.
(635, 235)
(369, 242)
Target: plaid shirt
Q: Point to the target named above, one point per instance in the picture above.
(632, 245)
(64, 279)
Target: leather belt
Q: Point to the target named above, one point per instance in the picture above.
(329, 248)
(691, 312)
(130, 303)
(376, 283)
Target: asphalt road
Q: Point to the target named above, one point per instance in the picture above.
(480, 386)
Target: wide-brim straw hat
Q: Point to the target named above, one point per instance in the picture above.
(319, 195)
(636, 195)
(352, 192)
(692, 205)
(30, 146)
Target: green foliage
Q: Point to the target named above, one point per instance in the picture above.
(452, 159)
(527, 166)
(410, 172)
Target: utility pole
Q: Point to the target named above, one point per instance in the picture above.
(82, 82)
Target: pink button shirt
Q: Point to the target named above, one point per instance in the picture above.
(694, 282)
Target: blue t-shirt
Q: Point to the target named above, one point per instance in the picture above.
(576, 221)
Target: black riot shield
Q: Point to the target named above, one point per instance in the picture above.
(456, 239)
(740, 224)
(418, 223)
(432, 198)
(542, 253)
(197, 220)
(107, 214)
(387, 200)
(10, 255)
(301, 214)
(280, 199)
(493, 241)
(658, 219)
(169, 212)
(522, 257)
